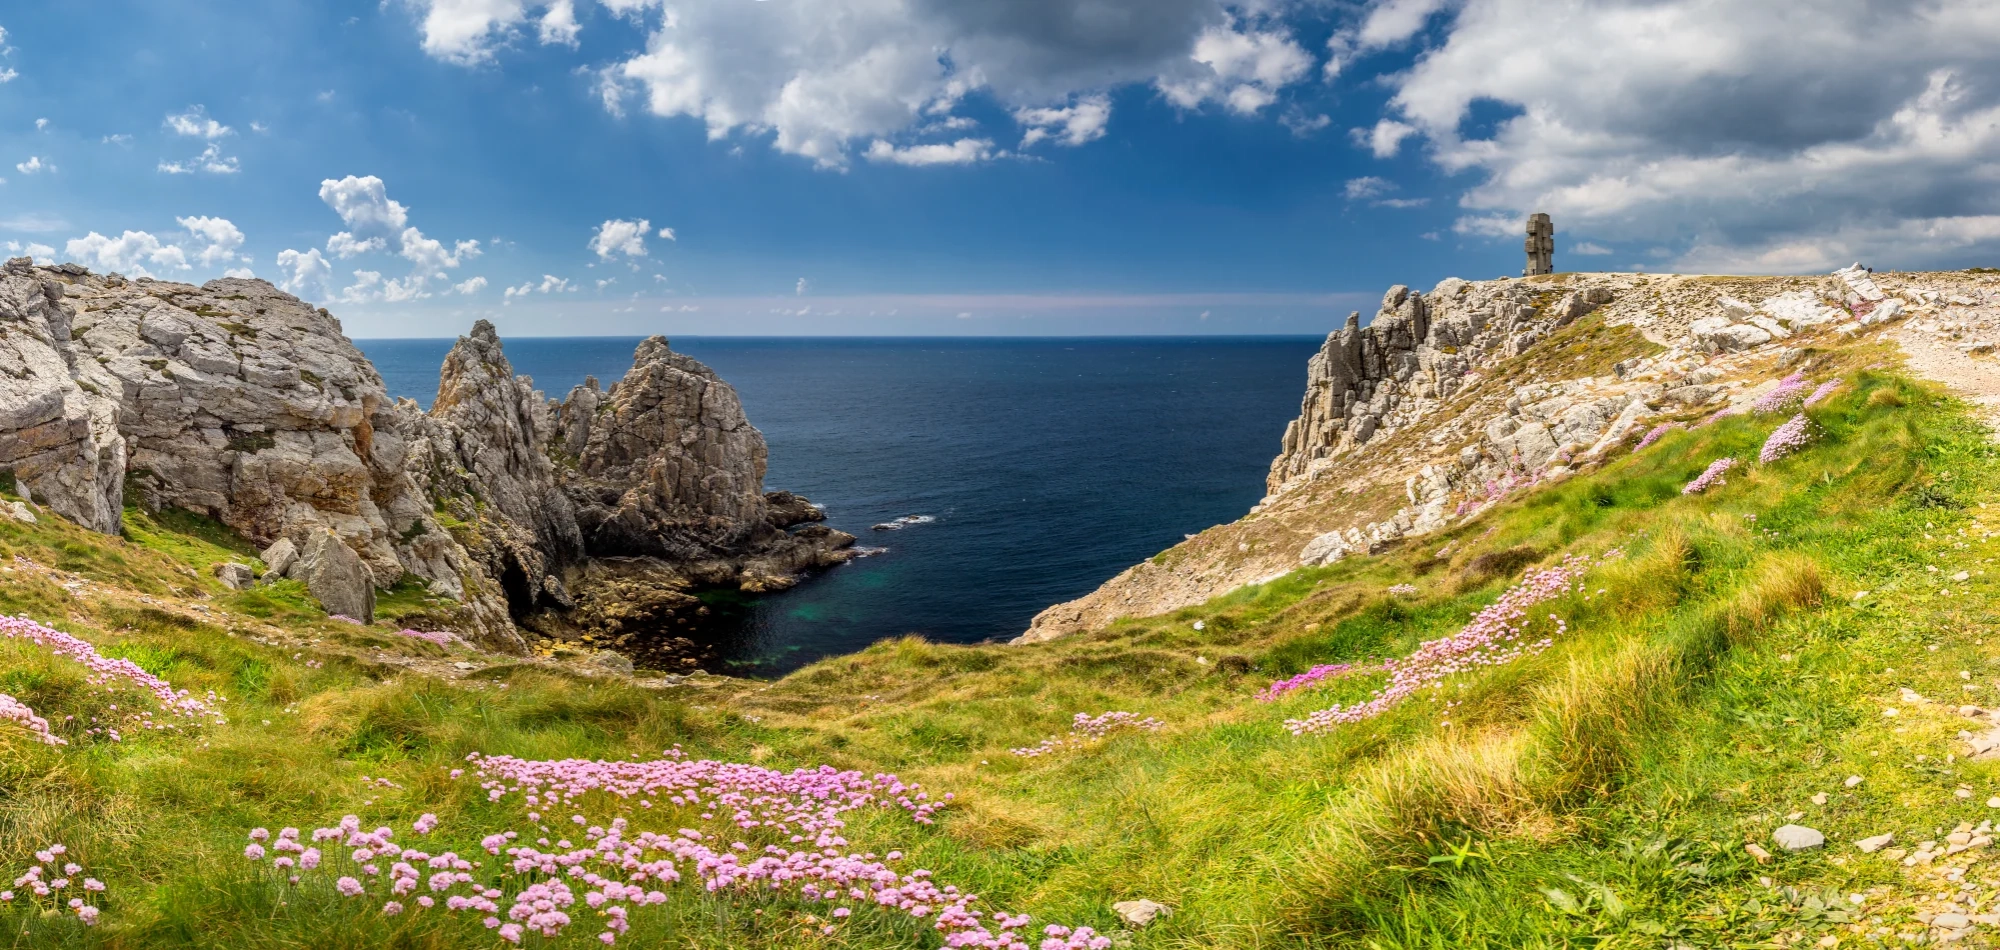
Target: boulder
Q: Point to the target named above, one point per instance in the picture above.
(1139, 913)
(336, 577)
(234, 576)
(279, 558)
(1797, 838)
(1721, 335)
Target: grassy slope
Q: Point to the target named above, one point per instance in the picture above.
(1723, 677)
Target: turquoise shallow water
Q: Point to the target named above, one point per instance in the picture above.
(1049, 464)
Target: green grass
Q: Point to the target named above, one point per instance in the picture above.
(1598, 794)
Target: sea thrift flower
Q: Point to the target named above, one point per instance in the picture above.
(1719, 415)
(1312, 677)
(1825, 389)
(1657, 432)
(103, 671)
(1786, 439)
(1402, 588)
(13, 710)
(1492, 638)
(439, 637)
(1787, 392)
(1084, 728)
(1710, 477)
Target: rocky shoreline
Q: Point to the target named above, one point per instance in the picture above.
(594, 519)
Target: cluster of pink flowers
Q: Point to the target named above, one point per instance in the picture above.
(612, 870)
(1710, 477)
(1658, 432)
(1825, 389)
(1495, 636)
(1720, 414)
(1402, 588)
(1790, 389)
(43, 885)
(1786, 439)
(1313, 677)
(1085, 728)
(14, 710)
(104, 671)
(439, 637)
(343, 618)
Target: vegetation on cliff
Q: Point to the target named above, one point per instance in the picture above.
(1720, 676)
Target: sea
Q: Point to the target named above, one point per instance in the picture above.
(1026, 472)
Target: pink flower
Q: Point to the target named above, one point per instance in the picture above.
(1710, 477)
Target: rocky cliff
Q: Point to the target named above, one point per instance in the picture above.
(241, 402)
(481, 457)
(1452, 400)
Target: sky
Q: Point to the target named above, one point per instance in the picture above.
(981, 167)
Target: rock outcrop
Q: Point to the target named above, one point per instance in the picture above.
(1453, 400)
(336, 577)
(1413, 357)
(480, 456)
(58, 412)
(243, 403)
(665, 465)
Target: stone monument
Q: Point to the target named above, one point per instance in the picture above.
(1541, 245)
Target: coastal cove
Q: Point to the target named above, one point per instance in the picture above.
(1049, 464)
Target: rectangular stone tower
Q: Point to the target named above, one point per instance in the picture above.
(1541, 245)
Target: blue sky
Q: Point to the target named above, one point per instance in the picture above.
(990, 167)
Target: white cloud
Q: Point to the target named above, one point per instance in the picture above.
(370, 287)
(1304, 123)
(243, 272)
(823, 77)
(468, 31)
(1386, 138)
(1367, 187)
(132, 253)
(1074, 125)
(558, 27)
(430, 255)
(211, 160)
(117, 138)
(197, 123)
(551, 284)
(800, 290)
(469, 287)
(365, 205)
(34, 223)
(219, 239)
(1755, 141)
(9, 74)
(303, 269)
(377, 222)
(41, 124)
(33, 165)
(618, 236)
(1244, 69)
(42, 253)
(345, 245)
(961, 152)
(1588, 248)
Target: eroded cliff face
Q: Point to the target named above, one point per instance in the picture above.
(480, 456)
(662, 475)
(244, 403)
(1453, 400)
(665, 464)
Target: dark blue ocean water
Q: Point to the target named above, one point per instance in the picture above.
(1050, 465)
